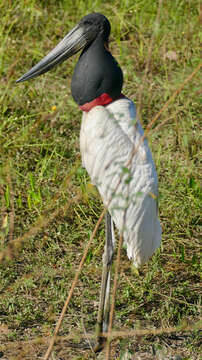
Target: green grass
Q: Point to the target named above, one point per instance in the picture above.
(39, 139)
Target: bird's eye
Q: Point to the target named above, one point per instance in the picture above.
(87, 22)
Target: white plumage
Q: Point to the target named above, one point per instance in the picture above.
(108, 137)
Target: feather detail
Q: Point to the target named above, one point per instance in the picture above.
(108, 137)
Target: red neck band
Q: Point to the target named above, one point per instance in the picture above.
(102, 100)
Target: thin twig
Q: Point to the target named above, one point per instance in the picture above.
(176, 92)
(111, 315)
(59, 322)
(114, 334)
(164, 122)
(154, 331)
(87, 337)
(12, 212)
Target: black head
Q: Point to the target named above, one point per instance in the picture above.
(90, 27)
(97, 72)
(97, 24)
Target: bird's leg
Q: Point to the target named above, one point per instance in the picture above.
(104, 305)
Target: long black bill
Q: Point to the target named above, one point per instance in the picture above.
(74, 41)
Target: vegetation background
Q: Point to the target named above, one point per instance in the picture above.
(48, 206)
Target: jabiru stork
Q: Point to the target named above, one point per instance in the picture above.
(110, 131)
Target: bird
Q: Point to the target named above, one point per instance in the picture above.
(113, 147)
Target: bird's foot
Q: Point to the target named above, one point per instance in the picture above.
(100, 344)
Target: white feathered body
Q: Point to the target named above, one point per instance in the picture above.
(108, 138)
